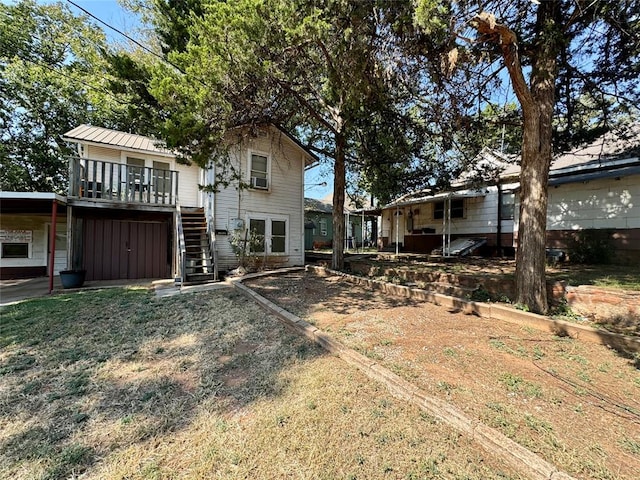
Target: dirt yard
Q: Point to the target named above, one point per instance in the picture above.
(575, 404)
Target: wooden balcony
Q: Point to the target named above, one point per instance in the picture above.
(108, 182)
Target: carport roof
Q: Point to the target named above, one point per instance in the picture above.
(29, 202)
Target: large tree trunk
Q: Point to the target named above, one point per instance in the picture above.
(531, 282)
(337, 258)
(537, 103)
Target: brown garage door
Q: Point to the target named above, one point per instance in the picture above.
(123, 249)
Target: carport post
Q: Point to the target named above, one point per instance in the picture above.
(52, 242)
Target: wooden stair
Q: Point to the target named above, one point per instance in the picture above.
(199, 260)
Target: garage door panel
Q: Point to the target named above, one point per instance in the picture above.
(121, 249)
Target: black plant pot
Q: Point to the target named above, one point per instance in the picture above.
(72, 278)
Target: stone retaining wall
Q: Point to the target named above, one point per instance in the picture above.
(595, 303)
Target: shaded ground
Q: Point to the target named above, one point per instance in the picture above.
(120, 384)
(613, 276)
(576, 404)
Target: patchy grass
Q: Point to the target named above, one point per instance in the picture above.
(574, 403)
(120, 384)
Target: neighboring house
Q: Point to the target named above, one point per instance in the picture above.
(318, 215)
(134, 211)
(318, 218)
(593, 187)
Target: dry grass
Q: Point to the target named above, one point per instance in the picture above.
(120, 384)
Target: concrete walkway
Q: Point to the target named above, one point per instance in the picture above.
(13, 291)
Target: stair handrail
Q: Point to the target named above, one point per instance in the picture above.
(182, 246)
(211, 235)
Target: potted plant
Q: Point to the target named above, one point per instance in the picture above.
(73, 278)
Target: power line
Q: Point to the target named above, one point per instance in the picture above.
(74, 79)
(136, 42)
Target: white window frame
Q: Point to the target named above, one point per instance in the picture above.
(323, 226)
(268, 218)
(444, 208)
(251, 154)
(29, 250)
(507, 209)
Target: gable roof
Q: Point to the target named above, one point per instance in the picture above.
(611, 155)
(314, 205)
(132, 141)
(313, 159)
(611, 150)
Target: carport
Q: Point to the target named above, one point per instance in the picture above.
(28, 234)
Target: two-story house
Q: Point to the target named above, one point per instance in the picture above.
(133, 210)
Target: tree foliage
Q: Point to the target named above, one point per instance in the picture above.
(328, 70)
(573, 66)
(52, 78)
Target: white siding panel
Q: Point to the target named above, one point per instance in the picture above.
(188, 191)
(104, 154)
(284, 196)
(606, 203)
(38, 248)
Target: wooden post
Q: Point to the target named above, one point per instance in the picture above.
(52, 242)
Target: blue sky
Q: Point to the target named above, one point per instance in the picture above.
(111, 12)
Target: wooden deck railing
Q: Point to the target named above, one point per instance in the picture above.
(97, 179)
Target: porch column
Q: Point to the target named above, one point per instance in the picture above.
(52, 242)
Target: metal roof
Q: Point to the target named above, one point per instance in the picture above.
(26, 196)
(31, 202)
(106, 136)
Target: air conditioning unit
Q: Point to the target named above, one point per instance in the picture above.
(258, 182)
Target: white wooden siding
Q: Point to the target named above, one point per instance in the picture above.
(38, 224)
(188, 175)
(480, 217)
(604, 203)
(282, 198)
(103, 153)
(188, 181)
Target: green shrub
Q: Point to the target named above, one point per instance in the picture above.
(481, 294)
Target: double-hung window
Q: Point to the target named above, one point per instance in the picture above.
(457, 209)
(507, 205)
(323, 227)
(259, 169)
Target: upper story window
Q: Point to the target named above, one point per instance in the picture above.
(259, 168)
(457, 209)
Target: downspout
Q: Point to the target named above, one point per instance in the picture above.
(362, 235)
(52, 242)
(213, 246)
(347, 233)
(449, 227)
(499, 223)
